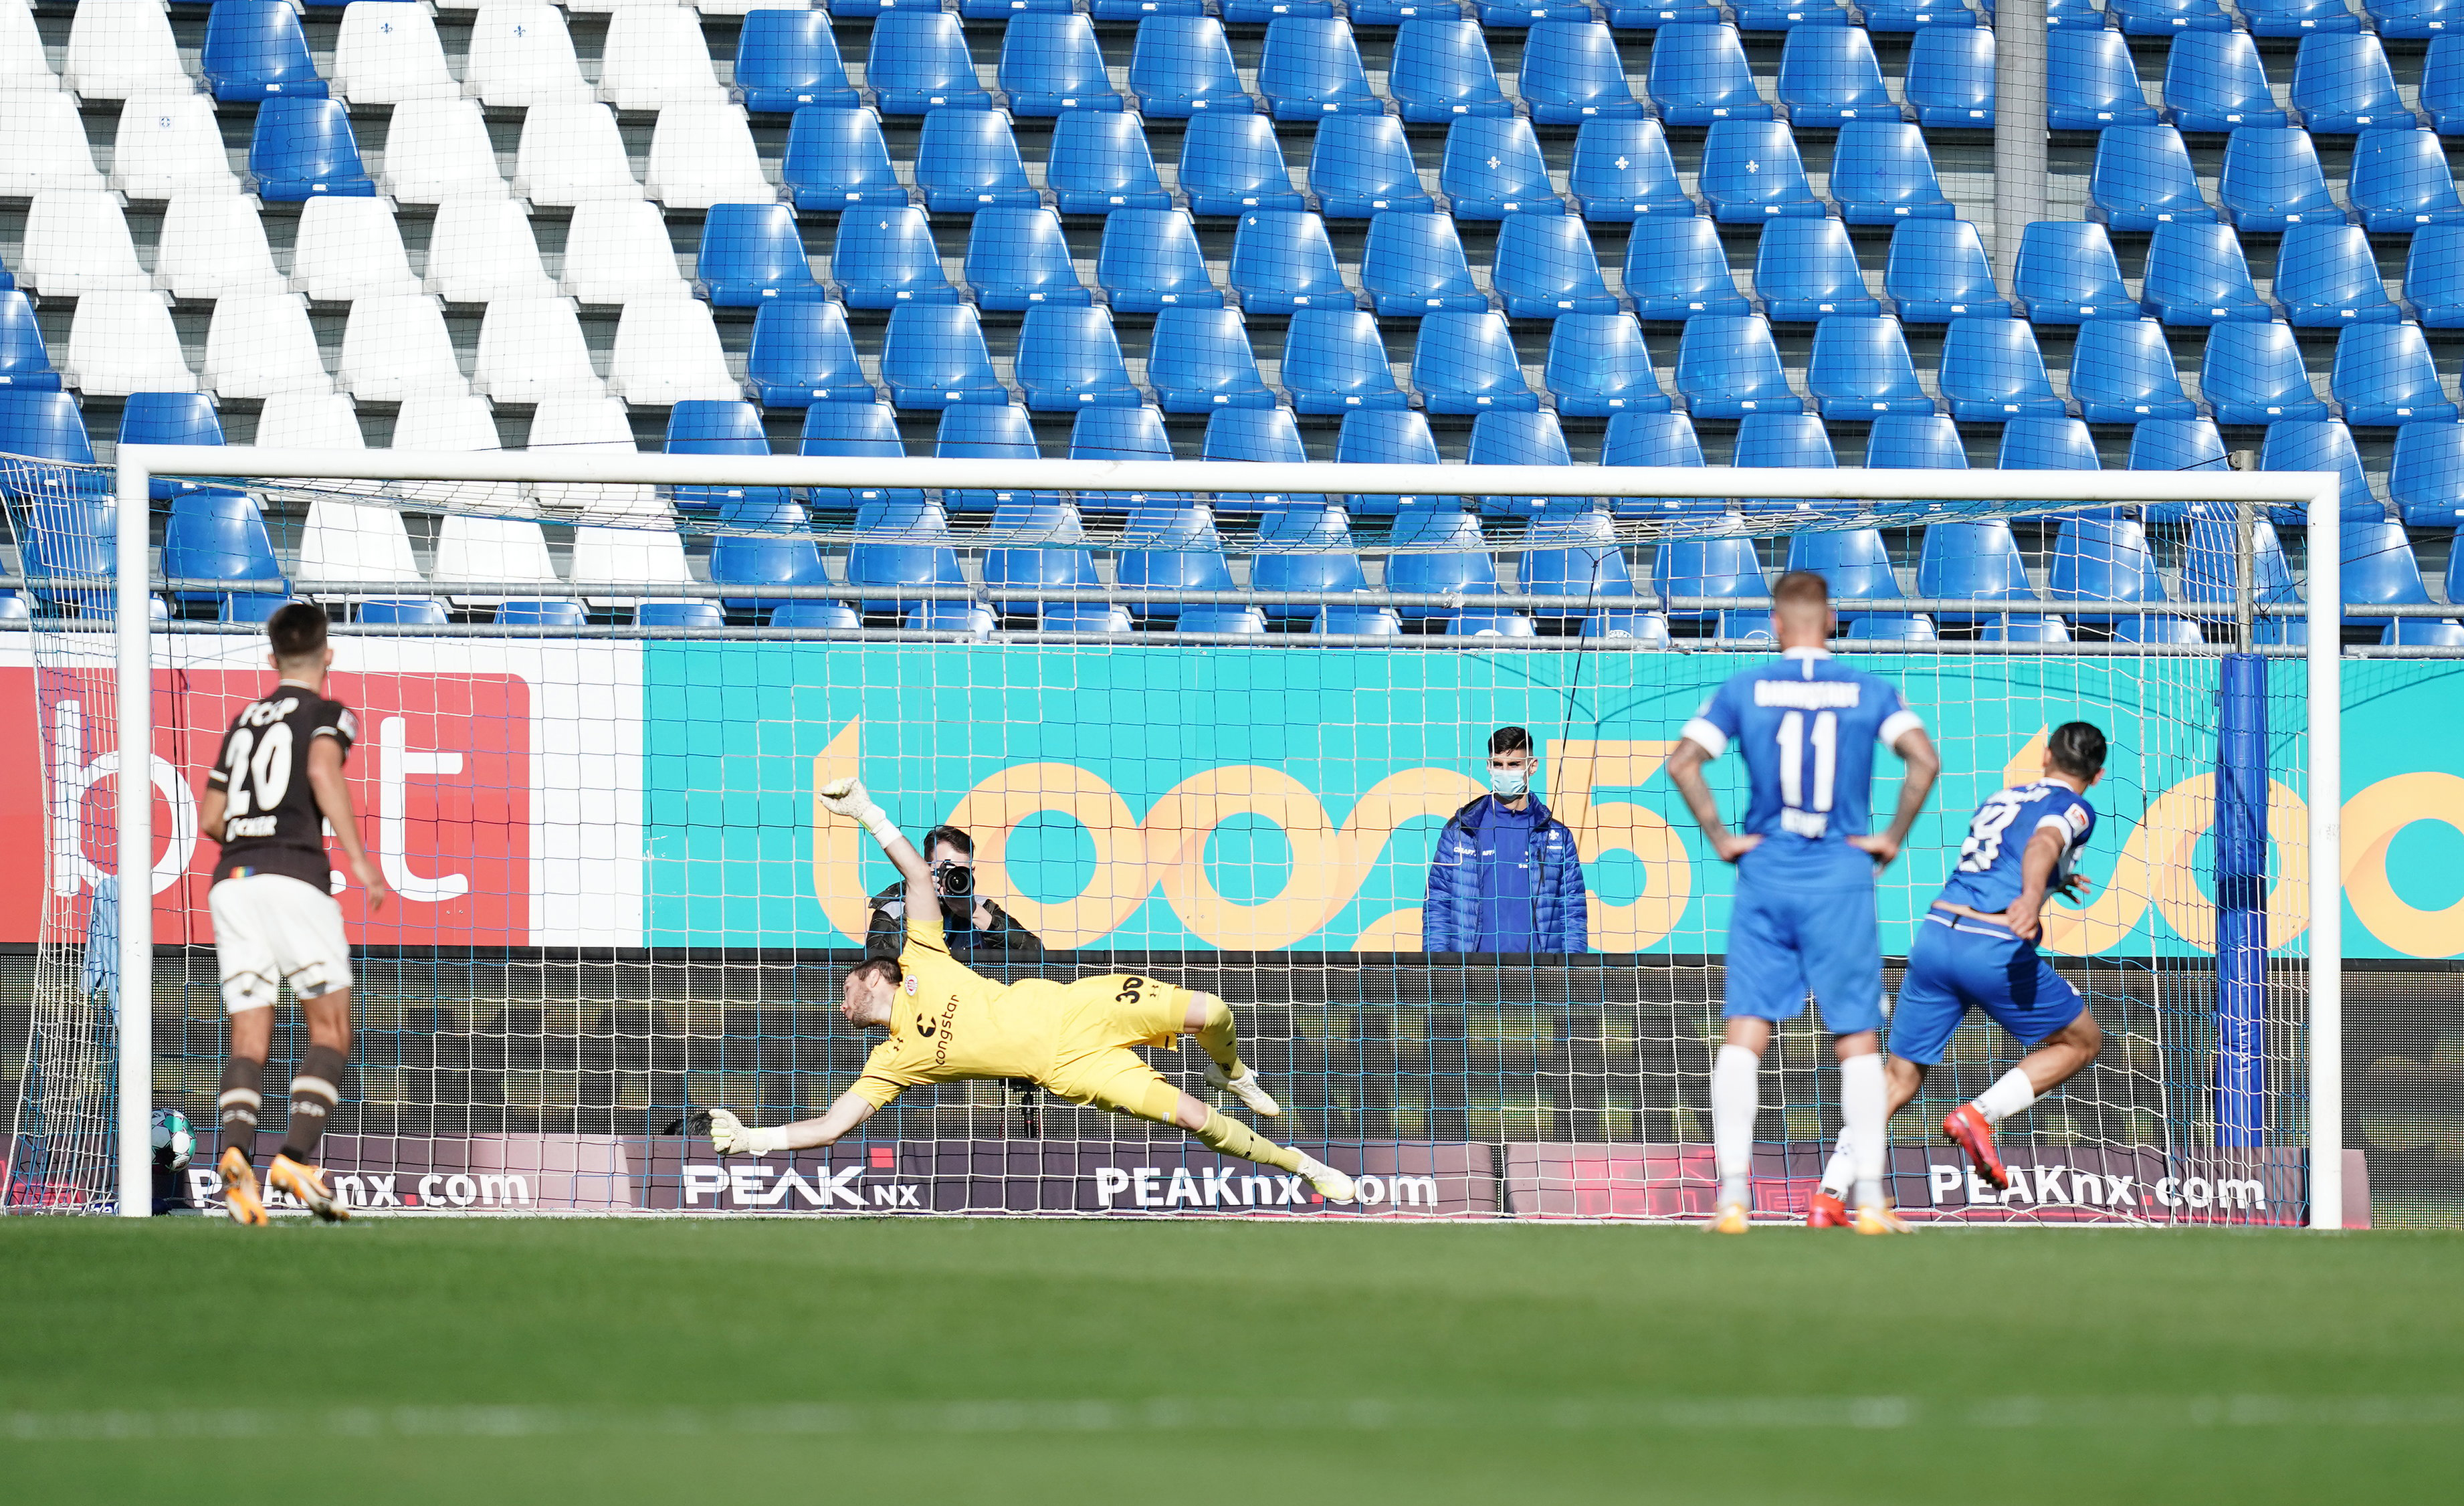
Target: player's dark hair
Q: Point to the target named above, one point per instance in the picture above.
(296, 629)
(888, 968)
(1508, 739)
(952, 836)
(1801, 588)
(2076, 748)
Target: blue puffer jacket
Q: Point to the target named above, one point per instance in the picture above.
(1460, 874)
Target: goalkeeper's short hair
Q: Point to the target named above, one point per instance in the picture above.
(891, 972)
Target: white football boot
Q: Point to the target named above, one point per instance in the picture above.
(1331, 1185)
(1246, 1088)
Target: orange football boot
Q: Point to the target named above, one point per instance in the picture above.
(239, 1190)
(308, 1185)
(1967, 1129)
(1876, 1218)
(1827, 1212)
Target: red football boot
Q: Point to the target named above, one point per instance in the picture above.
(1828, 1213)
(1965, 1128)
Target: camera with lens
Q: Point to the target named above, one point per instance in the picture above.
(956, 880)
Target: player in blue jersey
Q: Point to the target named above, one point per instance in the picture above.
(1804, 918)
(1977, 949)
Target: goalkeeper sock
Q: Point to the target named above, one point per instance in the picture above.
(243, 1079)
(2010, 1096)
(1862, 1130)
(1235, 1139)
(1221, 1035)
(1736, 1079)
(1841, 1171)
(314, 1092)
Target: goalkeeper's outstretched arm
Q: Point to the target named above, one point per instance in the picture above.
(731, 1136)
(849, 798)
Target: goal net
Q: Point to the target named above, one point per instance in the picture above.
(1201, 722)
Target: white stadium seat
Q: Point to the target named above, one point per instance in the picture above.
(118, 48)
(602, 7)
(123, 342)
(483, 248)
(310, 421)
(168, 143)
(562, 424)
(649, 556)
(531, 349)
(667, 350)
(456, 422)
(47, 147)
(656, 57)
(345, 541)
(214, 246)
(617, 252)
(387, 53)
(521, 54)
(438, 149)
(395, 347)
(572, 154)
(23, 63)
(261, 344)
(349, 249)
(703, 154)
(491, 549)
(77, 242)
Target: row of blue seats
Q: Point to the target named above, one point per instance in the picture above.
(2186, 18)
(2214, 81)
(2273, 180)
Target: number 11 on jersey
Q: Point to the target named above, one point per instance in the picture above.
(1800, 817)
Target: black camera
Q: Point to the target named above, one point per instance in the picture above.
(956, 880)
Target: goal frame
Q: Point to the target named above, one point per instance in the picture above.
(2318, 493)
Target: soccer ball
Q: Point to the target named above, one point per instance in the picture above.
(174, 1141)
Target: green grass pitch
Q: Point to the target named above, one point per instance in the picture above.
(886, 1361)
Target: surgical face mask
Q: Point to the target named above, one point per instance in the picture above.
(1510, 784)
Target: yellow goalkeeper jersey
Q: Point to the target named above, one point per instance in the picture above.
(949, 1021)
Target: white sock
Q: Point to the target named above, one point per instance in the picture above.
(1841, 1168)
(1736, 1083)
(1861, 1132)
(2010, 1096)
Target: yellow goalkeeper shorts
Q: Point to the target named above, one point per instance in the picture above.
(1101, 1019)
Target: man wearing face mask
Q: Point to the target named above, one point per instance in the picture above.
(979, 931)
(1506, 877)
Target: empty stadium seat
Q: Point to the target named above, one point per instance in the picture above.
(1861, 367)
(304, 149)
(1069, 357)
(1971, 561)
(2442, 86)
(2067, 274)
(1727, 367)
(2342, 83)
(2143, 179)
(752, 254)
(1305, 548)
(2427, 481)
(481, 249)
(2197, 274)
(934, 357)
(1016, 258)
(388, 55)
(1493, 168)
(666, 351)
(522, 55)
(1828, 74)
(47, 144)
(1051, 65)
(1652, 14)
(1150, 261)
(1699, 75)
(1312, 68)
(437, 149)
(1511, 13)
(1334, 361)
(2297, 17)
(815, 616)
(1368, 621)
(903, 544)
(1783, 441)
(168, 143)
(2380, 570)
(2401, 181)
(1054, 559)
(1546, 267)
(1100, 163)
(1937, 272)
(254, 49)
(2169, 17)
(1464, 362)
(2213, 82)
(349, 249)
(1440, 70)
(2384, 374)
(1882, 174)
(2175, 444)
(1752, 172)
(2412, 18)
(2090, 82)
(1414, 264)
(790, 60)
(217, 535)
(2046, 443)
(261, 344)
(1622, 170)
(1230, 164)
(781, 554)
(1950, 76)
(2434, 277)
(1705, 567)
(1914, 441)
(2321, 445)
(78, 242)
(836, 156)
(884, 258)
(855, 429)
(1991, 369)
(588, 420)
(2273, 180)
(123, 342)
(1807, 270)
(1177, 548)
(1676, 268)
(25, 365)
(1578, 557)
(703, 154)
(1258, 435)
(309, 420)
(1572, 75)
(46, 426)
(2122, 372)
(1181, 66)
(1361, 165)
(118, 49)
(987, 431)
(1916, 15)
(802, 355)
(1439, 551)
(1856, 563)
(1391, 435)
(395, 346)
(2326, 276)
(919, 62)
(448, 417)
(346, 541)
(1281, 261)
(24, 63)
(2252, 374)
(570, 152)
(617, 250)
(722, 427)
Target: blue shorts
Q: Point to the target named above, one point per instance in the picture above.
(1955, 965)
(1784, 942)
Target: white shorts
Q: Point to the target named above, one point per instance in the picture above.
(269, 928)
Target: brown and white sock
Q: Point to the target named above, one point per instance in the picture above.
(314, 1092)
(236, 1109)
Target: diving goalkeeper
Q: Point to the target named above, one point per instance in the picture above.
(947, 1024)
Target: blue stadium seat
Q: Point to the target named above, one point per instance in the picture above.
(813, 616)
(2067, 274)
(790, 60)
(1752, 172)
(781, 554)
(2176, 445)
(1312, 68)
(1282, 262)
(968, 160)
(1652, 14)
(1992, 370)
(2342, 83)
(2211, 563)
(703, 427)
(1005, 9)
(836, 157)
(2401, 181)
(1230, 164)
(1514, 13)
(1100, 163)
(1054, 559)
(2252, 374)
(1578, 557)
(1394, 12)
(1150, 261)
(1131, 434)
(2197, 274)
(2413, 18)
(1599, 366)
(1950, 76)
(1017, 259)
(1882, 174)
(853, 429)
(933, 356)
(1264, 12)
(1489, 622)
(2434, 277)
(984, 431)
(1441, 71)
(1386, 436)
(1746, 628)
(1051, 65)
(1439, 551)
(423, 612)
(1642, 626)
(304, 149)
(646, 614)
(1546, 267)
(1259, 435)
(1937, 271)
(1727, 367)
(24, 363)
(1465, 363)
(1523, 437)
(919, 62)
(2379, 570)
(1699, 75)
(2091, 83)
(884, 258)
(1199, 361)
(1361, 165)
(1493, 168)
(1705, 567)
(1572, 75)
(1782, 15)
(1861, 367)
(901, 544)
(254, 49)
(1622, 171)
(1910, 627)
(44, 425)
(2047, 444)
(2022, 628)
(2297, 17)
(1971, 561)
(2427, 481)
(1220, 620)
(2144, 179)
(1334, 362)
(165, 418)
(1414, 264)
(2384, 374)
(1068, 359)
(1783, 441)
(752, 254)
(1676, 268)
(2321, 445)
(2442, 84)
(802, 355)
(1655, 439)
(1828, 73)
(2214, 81)
(541, 614)
(1181, 66)
(1916, 15)
(2121, 372)
(2273, 180)
(2169, 17)
(1807, 270)
(1856, 563)
(65, 531)
(2326, 276)
(215, 533)
(1177, 549)
(1914, 441)
(1305, 548)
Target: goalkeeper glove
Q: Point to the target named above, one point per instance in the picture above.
(731, 1136)
(849, 797)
